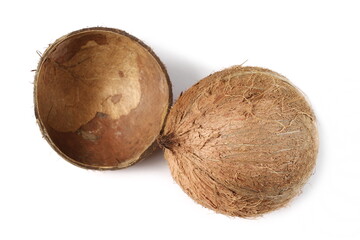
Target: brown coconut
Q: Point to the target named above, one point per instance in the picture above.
(101, 98)
(242, 141)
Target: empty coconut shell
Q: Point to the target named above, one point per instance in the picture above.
(242, 141)
(101, 98)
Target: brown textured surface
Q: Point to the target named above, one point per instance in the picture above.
(101, 97)
(242, 141)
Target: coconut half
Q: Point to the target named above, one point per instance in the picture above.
(101, 98)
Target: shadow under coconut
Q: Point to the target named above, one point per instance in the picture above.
(155, 162)
(183, 73)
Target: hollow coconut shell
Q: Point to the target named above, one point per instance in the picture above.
(101, 98)
(242, 141)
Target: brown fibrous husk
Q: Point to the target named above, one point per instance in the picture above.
(101, 98)
(242, 141)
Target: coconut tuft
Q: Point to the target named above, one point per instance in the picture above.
(101, 98)
(242, 141)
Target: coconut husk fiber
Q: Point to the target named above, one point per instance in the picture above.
(242, 141)
(101, 98)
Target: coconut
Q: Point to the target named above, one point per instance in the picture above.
(101, 98)
(242, 141)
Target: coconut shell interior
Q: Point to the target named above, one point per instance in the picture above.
(101, 98)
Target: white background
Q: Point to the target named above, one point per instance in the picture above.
(316, 44)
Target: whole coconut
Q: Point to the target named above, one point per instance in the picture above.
(242, 141)
(101, 98)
